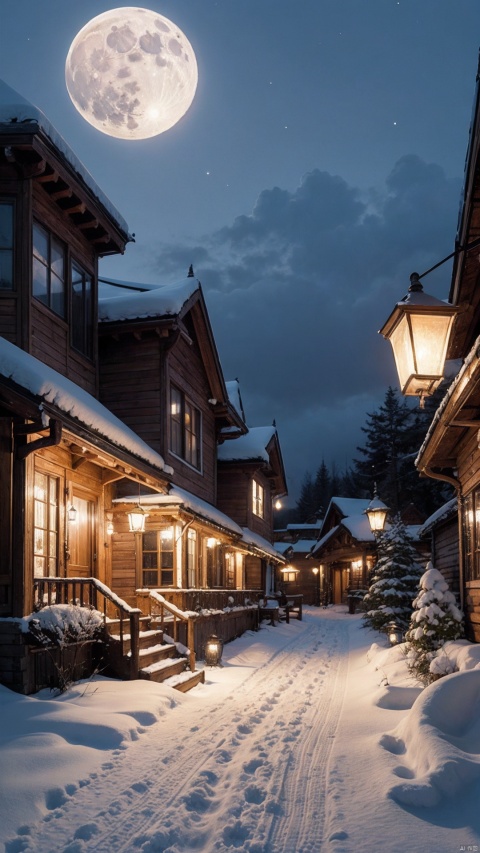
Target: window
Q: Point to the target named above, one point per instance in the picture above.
(258, 495)
(6, 245)
(191, 557)
(230, 570)
(81, 310)
(48, 278)
(185, 428)
(471, 524)
(157, 557)
(45, 549)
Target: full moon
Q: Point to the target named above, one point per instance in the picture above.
(131, 73)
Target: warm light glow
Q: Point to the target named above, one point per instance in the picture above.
(419, 329)
(131, 73)
(315, 571)
(136, 520)
(356, 565)
(110, 528)
(376, 513)
(166, 534)
(211, 542)
(278, 504)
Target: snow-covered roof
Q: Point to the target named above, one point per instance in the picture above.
(350, 506)
(261, 544)
(53, 388)
(359, 527)
(233, 392)
(316, 526)
(182, 498)
(302, 546)
(253, 445)
(160, 301)
(321, 542)
(444, 512)
(17, 111)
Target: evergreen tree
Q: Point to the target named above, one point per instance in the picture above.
(307, 504)
(395, 580)
(394, 436)
(322, 488)
(435, 620)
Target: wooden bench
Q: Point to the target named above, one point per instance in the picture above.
(272, 613)
(293, 607)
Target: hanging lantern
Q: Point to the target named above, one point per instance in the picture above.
(72, 514)
(136, 519)
(419, 330)
(376, 513)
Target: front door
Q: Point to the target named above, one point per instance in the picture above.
(82, 538)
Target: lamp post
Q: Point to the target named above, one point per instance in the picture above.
(419, 330)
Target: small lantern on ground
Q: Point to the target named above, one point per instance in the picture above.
(394, 633)
(376, 513)
(419, 330)
(213, 651)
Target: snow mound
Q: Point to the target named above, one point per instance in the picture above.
(439, 740)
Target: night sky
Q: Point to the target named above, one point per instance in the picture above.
(320, 163)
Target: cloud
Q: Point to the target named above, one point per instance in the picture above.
(298, 289)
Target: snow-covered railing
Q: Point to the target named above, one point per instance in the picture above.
(169, 615)
(92, 593)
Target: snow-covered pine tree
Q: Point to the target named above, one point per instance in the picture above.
(435, 620)
(395, 580)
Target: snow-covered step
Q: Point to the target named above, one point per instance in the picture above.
(186, 680)
(163, 669)
(156, 653)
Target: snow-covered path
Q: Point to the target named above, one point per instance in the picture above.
(303, 742)
(228, 768)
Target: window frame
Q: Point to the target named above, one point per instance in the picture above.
(185, 428)
(51, 527)
(9, 249)
(85, 345)
(47, 264)
(258, 499)
(160, 553)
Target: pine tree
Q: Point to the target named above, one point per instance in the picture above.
(435, 620)
(307, 504)
(395, 580)
(322, 488)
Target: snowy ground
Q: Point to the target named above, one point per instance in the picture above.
(303, 742)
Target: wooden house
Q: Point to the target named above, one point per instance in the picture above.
(98, 418)
(451, 451)
(301, 575)
(441, 531)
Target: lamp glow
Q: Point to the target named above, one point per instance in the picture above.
(376, 513)
(419, 330)
(136, 519)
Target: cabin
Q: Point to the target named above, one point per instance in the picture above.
(301, 576)
(451, 451)
(440, 530)
(113, 407)
(346, 550)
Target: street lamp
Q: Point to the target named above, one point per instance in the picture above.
(419, 330)
(376, 513)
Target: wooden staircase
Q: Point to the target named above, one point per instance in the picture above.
(158, 660)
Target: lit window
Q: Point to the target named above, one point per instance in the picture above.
(157, 557)
(191, 557)
(48, 277)
(258, 496)
(6, 246)
(45, 548)
(185, 428)
(81, 310)
(471, 523)
(230, 570)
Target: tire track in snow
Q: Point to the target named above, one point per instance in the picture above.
(206, 796)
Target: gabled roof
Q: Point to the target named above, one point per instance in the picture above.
(260, 445)
(440, 516)
(137, 307)
(34, 144)
(55, 395)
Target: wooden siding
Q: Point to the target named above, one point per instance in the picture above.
(8, 317)
(234, 496)
(130, 384)
(445, 553)
(186, 370)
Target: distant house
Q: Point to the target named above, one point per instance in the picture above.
(347, 550)
(300, 575)
(113, 406)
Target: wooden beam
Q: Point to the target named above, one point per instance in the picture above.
(77, 208)
(66, 193)
(85, 226)
(51, 178)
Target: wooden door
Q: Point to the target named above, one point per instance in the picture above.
(82, 538)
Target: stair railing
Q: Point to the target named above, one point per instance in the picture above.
(90, 592)
(175, 615)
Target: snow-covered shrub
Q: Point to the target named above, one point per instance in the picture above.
(61, 624)
(395, 580)
(435, 620)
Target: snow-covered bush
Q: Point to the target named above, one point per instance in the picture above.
(61, 624)
(435, 620)
(395, 580)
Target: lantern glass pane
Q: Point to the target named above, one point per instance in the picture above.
(430, 335)
(403, 351)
